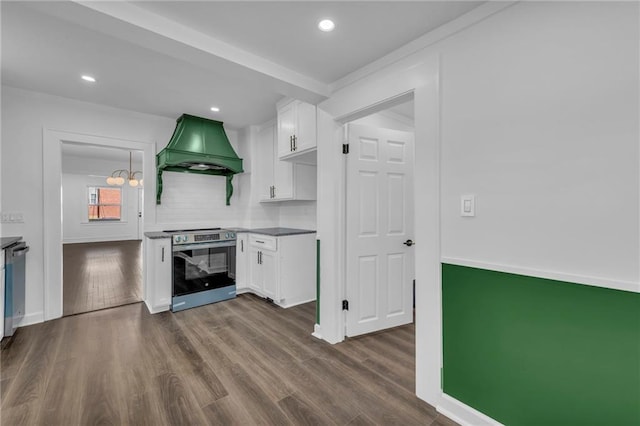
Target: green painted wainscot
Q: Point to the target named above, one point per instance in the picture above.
(533, 351)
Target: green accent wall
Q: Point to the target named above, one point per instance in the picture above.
(533, 351)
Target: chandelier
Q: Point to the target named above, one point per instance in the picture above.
(117, 178)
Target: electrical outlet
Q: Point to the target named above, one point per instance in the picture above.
(11, 217)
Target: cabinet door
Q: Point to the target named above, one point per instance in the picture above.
(270, 274)
(242, 267)
(163, 270)
(255, 270)
(264, 163)
(305, 127)
(286, 128)
(283, 180)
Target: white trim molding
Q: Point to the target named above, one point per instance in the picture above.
(156, 309)
(551, 275)
(52, 141)
(396, 84)
(461, 413)
(32, 318)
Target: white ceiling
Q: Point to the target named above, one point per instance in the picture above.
(287, 33)
(170, 58)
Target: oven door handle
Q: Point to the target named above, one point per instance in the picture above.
(197, 246)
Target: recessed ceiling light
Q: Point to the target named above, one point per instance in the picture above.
(326, 25)
(89, 78)
(215, 109)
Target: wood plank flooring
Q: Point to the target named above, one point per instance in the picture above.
(238, 362)
(101, 275)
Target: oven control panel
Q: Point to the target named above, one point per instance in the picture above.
(203, 236)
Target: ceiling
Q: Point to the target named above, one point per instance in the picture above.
(172, 57)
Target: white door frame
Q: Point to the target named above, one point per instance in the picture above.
(52, 141)
(140, 212)
(370, 94)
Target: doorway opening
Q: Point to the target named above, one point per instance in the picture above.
(379, 226)
(102, 223)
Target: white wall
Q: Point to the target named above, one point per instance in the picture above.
(540, 121)
(538, 118)
(298, 214)
(24, 115)
(76, 226)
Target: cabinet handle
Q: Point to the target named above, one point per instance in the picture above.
(295, 143)
(258, 241)
(163, 254)
(274, 191)
(291, 143)
(242, 246)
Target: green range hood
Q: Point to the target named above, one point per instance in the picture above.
(198, 145)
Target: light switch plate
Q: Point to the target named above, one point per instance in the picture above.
(468, 205)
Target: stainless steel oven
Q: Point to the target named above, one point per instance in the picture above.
(204, 267)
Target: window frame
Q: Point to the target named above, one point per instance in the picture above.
(88, 203)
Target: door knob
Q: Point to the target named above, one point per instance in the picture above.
(408, 243)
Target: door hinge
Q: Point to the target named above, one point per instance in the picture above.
(345, 305)
(345, 148)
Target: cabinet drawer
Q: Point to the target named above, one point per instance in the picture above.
(264, 242)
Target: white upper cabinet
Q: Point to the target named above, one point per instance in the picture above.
(297, 131)
(281, 180)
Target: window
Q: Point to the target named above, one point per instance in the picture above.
(104, 203)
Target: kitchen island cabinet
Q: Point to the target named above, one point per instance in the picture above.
(282, 268)
(281, 180)
(157, 273)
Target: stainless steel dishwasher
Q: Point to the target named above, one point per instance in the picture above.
(14, 297)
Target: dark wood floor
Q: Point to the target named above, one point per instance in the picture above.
(241, 361)
(101, 275)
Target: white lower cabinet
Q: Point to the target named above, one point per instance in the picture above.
(282, 268)
(157, 274)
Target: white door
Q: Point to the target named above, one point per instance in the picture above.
(380, 266)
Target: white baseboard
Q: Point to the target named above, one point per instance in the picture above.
(290, 305)
(461, 413)
(33, 318)
(156, 309)
(317, 331)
